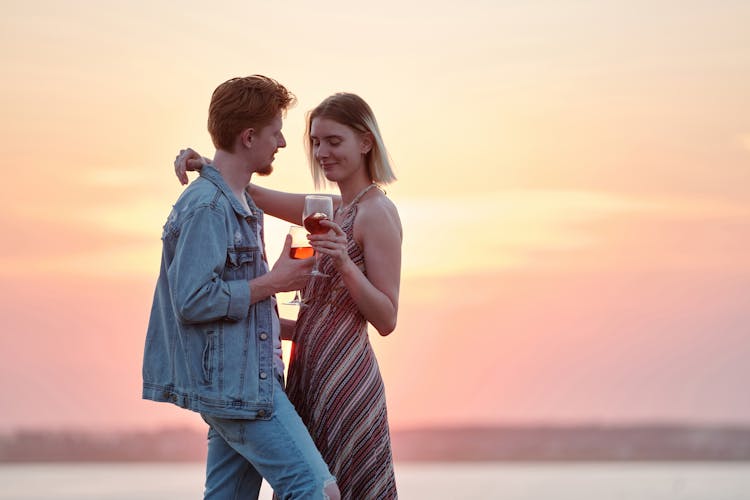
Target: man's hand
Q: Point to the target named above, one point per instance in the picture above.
(292, 274)
(286, 275)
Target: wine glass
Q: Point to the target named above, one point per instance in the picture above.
(300, 249)
(317, 208)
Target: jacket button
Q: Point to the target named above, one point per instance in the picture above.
(261, 413)
(263, 336)
(263, 375)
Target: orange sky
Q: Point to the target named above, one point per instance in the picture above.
(573, 185)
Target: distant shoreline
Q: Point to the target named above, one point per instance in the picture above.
(554, 443)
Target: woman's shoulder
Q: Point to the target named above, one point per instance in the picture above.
(378, 211)
(377, 204)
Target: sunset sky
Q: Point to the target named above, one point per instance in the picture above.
(574, 187)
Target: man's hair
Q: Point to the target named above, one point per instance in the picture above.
(245, 102)
(352, 111)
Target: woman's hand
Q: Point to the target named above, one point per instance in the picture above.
(332, 243)
(188, 159)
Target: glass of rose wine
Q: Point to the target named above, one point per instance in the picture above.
(300, 249)
(317, 208)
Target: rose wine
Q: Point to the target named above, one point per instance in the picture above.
(301, 252)
(312, 223)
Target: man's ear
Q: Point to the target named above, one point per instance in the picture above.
(247, 136)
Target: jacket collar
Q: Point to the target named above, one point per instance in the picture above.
(210, 173)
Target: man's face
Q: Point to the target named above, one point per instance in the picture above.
(266, 142)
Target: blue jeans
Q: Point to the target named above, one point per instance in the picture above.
(243, 452)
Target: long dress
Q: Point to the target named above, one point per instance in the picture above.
(334, 383)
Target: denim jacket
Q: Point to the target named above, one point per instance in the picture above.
(207, 349)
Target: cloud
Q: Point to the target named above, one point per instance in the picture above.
(466, 234)
(124, 178)
(535, 228)
(117, 237)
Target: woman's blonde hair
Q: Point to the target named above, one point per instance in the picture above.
(352, 111)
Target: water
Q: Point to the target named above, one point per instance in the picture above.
(450, 481)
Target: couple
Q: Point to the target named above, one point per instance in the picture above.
(213, 342)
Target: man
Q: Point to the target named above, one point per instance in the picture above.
(213, 326)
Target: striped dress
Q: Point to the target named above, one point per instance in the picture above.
(335, 384)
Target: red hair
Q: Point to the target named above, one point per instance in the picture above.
(245, 102)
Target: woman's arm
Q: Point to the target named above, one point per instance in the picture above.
(188, 159)
(282, 205)
(286, 206)
(377, 229)
(279, 204)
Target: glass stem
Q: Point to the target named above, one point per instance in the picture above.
(315, 264)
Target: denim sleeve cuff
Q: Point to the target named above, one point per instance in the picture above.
(239, 299)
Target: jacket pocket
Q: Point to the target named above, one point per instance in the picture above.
(209, 357)
(240, 263)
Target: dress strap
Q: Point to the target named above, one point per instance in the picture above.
(357, 198)
(362, 193)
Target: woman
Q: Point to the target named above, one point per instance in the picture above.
(334, 380)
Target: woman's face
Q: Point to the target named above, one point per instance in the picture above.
(339, 149)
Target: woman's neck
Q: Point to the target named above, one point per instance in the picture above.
(348, 194)
(350, 188)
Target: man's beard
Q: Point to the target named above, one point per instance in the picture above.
(265, 171)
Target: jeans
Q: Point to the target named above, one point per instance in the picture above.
(242, 452)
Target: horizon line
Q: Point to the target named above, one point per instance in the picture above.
(519, 425)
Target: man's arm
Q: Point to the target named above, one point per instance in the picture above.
(199, 294)
(286, 275)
